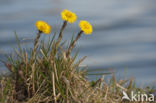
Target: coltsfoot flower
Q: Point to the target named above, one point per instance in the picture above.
(86, 27)
(68, 16)
(43, 27)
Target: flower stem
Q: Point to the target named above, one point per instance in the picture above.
(61, 31)
(73, 44)
(36, 40)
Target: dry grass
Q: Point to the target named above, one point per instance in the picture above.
(48, 73)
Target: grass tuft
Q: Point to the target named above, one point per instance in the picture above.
(47, 73)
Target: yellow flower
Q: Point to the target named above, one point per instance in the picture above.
(68, 16)
(86, 27)
(43, 27)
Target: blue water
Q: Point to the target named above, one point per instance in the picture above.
(124, 36)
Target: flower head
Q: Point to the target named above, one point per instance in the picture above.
(68, 16)
(43, 27)
(86, 27)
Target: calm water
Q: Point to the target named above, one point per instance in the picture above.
(124, 36)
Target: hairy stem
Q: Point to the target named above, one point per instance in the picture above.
(61, 31)
(73, 44)
(36, 40)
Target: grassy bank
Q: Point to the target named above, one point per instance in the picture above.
(48, 73)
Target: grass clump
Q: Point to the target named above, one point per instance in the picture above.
(47, 73)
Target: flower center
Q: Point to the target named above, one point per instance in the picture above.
(68, 15)
(86, 26)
